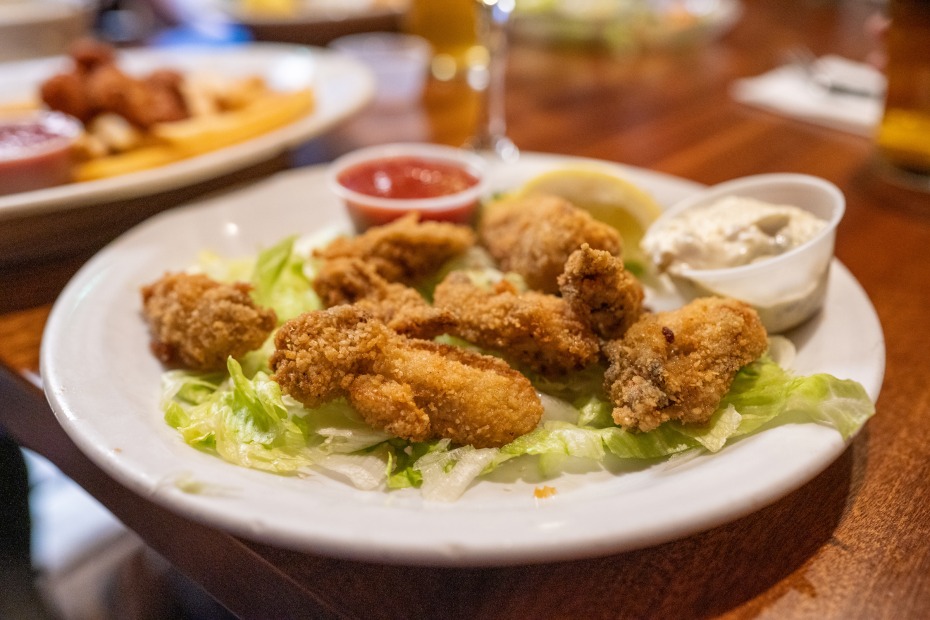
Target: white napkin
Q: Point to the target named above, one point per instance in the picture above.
(819, 93)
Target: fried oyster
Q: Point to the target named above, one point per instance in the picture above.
(414, 389)
(678, 365)
(534, 236)
(197, 322)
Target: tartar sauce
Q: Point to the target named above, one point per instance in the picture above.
(730, 232)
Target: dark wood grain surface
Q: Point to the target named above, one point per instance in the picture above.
(853, 543)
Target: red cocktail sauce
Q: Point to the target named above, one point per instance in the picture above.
(407, 179)
(35, 151)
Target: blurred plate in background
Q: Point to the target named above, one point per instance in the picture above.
(313, 22)
(625, 25)
(47, 220)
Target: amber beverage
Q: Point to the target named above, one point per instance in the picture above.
(450, 25)
(464, 98)
(904, 134)
(453, 109)
(451, 101)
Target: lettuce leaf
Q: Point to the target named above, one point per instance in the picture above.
(762, 394)
(223, 269)
(245, 421)
(279, 276)
(403, 457)
(280, 282)
(764, 391)
(366, 471)
(447, 473)
(249, 422)
(340, 429)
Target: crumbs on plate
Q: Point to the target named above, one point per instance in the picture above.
(543, 492)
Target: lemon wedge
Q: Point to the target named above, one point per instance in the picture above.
(608, 197)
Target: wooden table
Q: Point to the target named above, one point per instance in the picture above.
(850, 544)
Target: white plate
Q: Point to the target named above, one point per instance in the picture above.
(314, 12)
(103, 385)
(628, 25)
(342, 87)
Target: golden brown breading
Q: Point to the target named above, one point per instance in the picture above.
(601, 292)
(535, 235)
(406, 250)
(65, 92)
(414, 389)
(97, 86)
(197, 322)
(678, 365)
(534, 329)
(140, 102)
(353, 281)
(89, 53)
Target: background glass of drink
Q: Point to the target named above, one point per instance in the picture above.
(904, 134)
(465, 95)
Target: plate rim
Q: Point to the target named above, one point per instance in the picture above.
(309, 16)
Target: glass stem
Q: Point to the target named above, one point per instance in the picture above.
(494, 16)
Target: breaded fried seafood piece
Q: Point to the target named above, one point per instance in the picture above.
(353, 281)
(534, 236)
(530, 328)
(98, 86)
(66, 93)
(405, 250)
(414, 389)
(678, 365)
(601, 292)
(89, 53)
(197, 322)
(140, 102)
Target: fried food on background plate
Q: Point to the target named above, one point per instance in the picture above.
(405, 250)
(414, 389)
(89, 53)
(351, 280)
(534, 236)
(197, 322)
(98, 86)
(531, 328)
(601, 292)
(678, 365)
(135, 122)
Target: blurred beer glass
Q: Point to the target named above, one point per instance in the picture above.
(904, 134)
(465, 94)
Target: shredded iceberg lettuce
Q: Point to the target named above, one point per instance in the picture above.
(280, 282)
(245, 421)
(224, 269)
(447, 473)
(248, 421)
(278, 275)
(244, 418)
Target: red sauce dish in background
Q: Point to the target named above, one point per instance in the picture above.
(382, 183)
(36, 150)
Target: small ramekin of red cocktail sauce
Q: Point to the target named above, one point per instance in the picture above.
(382, 183)
(36, 150)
